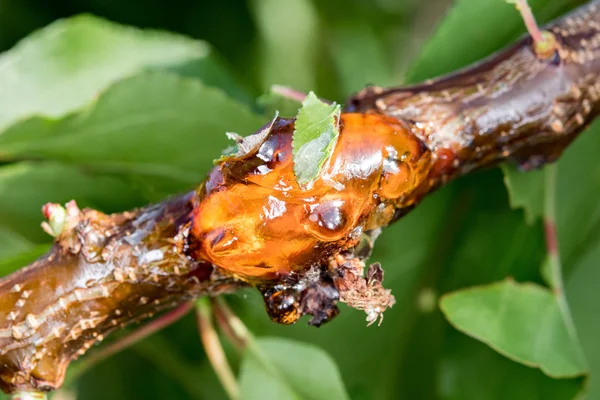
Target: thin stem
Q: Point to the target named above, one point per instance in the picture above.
(29, 396)
(214, 350)
(544, 42)
(244, 335)
(236, 326)
(529, 20)
(133, 338)
(554, 255)
(225, 327)
(288, 93)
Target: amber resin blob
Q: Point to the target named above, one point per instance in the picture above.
(255, 221)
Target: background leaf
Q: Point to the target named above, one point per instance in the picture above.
(289, 38)
(64, 66)
(474, 371)
(137, 126)
(525, 190)
(578, 228)
(522, 321)
(287, 369)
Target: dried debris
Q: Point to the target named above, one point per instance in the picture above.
(359, 291)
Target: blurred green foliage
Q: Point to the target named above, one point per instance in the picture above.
(116, 118)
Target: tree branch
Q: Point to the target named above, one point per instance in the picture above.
(303, 247)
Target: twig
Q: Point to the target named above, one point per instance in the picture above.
(529, 20)
(29, 396)
(167, 244)
(554, 256)
(223, 321)
(244, 335)
(235, 325)
(288, 93)
(214, 350)
(544, 42)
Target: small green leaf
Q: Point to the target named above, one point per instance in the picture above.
(315, 135)
(525, 190)
(521, 321)
(284, 369)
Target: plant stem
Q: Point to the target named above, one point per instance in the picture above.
(244, 335)
(544, 42)
(288, 93)
(223, 321)
(214, 350)
(529, 20)
(235, 325)
(29, 396)
(554, 256)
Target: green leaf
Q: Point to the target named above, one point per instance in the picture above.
(472, 371)
(525, 190)
(521, 321)
(473, 29)
(577, 194)
(466, 252)
(154, 123)
(62, 67)
(578, 225)
(315, 134)
(584, 297)
(285, 369)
